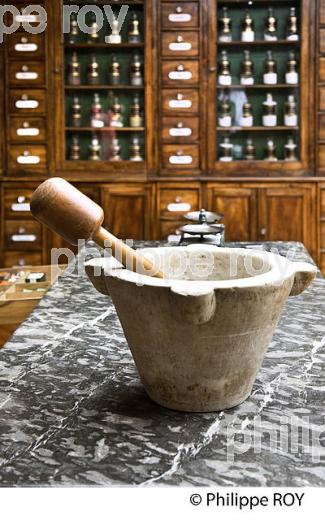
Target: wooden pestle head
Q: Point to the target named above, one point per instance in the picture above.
(66, 211)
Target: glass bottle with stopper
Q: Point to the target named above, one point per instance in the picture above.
(74, 30)
(247, 33)
(116, 115)
(270, 151)
(134, 29)
(115, 150)
(74, 70)
(269, 111)
(115, 37)
(93, 72)
(292, 26)
(226, 150)
(292, 76)
(290, 112)
(136, 120)
(74, 154)
(135, 150)
(247, 70)
(136, 77)
(271, 26)
(225, 25)
(96, 115)
(95, 149)
(224, 75)
(290, 150)
(247, 115)
(76, 112)
(270, 75)
(250, 150)
(114, 72)
(93, 35)
(224, 118)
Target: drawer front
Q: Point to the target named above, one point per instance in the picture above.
(26, 45)
(322, 203)
(180, 157)
(175, 202)
(180, 15)
(180, 129)
(180, 101)
(29, 102)
(322, 98)
(321, 68)
(22, 235)
(321, 126)
(16, 202)
(180, 72)
(322, 40)
(180, 43)
(321, 156)
(28, 73)
(22, 258)
(27, 158)
(322, 11)
(322, 235)
(27, 129)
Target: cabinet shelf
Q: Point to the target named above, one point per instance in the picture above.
(257, 86)
(257, 129)
(104, 45)
(102, 87)
(104, 129)
(257, 43)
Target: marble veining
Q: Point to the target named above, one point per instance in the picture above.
(73, 410)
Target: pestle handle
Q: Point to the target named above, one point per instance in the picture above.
(68, 212)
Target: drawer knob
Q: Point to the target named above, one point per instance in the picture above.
(179, 39)
(263, 232)
(21, 262)
(21, 199)
(179, 9)
(180, 68)
(178, 199)
(23, 39)
(179, 97)
(24, 97)
(179, 153)
(25, 124)
(180, 125)
(25, 68)
(26, 153)
(21, 230)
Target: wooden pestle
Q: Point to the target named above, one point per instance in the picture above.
(68, 212)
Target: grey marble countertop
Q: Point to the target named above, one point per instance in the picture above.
(73, 410)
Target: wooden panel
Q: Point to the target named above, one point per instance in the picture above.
(172, 126)
(239, 206)
(26, 74)
(322, 98)
(169, 227)
(321, 69)
(175, 201)
(321, 156)
(286, 213)
(322, 235)
(172, 15)
(322, 263)
(22, 258)
(19, 153)
(321, 126)
(180, 72)
(27, 102)
(180, 157)
(180, 43)
(20, 127)
(322, 40)
(25, 45)
(322, 202)
(180, 101)
(22, 235)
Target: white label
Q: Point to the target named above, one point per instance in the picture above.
(26, 47)
(225, 121)
(291, 120)
(225, 38)
(247, 81)
(95, 123)
(180, 132)
(180, 17)
(25, 206)
(270, 79)
(246, 121)
(29, 18)
(269, 38)
(225, 159)
(269, 120)
(180, 159)
(24, 238)
(26, 75)
(180, 103)
(28, 159)
(28, 132)
(247, 36)
(27, 103)
(176, 74)
(292, 78)
(293, 37)
(180, 46)
(179, 206)
(114, 38)
(224, 80)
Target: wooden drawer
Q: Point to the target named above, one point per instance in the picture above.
(321, 69)
(322, 40)
(321, 126)
(321, 156)
(16, 202)
(180, 157)
(27, 158)
(180, 43)
(322, 235)
(180, 101)
(22, 235)
(26, 45)
(322, 202)
(22, 258)
(321, 98)
(28, 73)
(28, 102)
(167, 228)
(173, 203)
(180, 129)
(176, 15)
(180, 72)
(322, 11)
(27, 129)
(322, 263)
